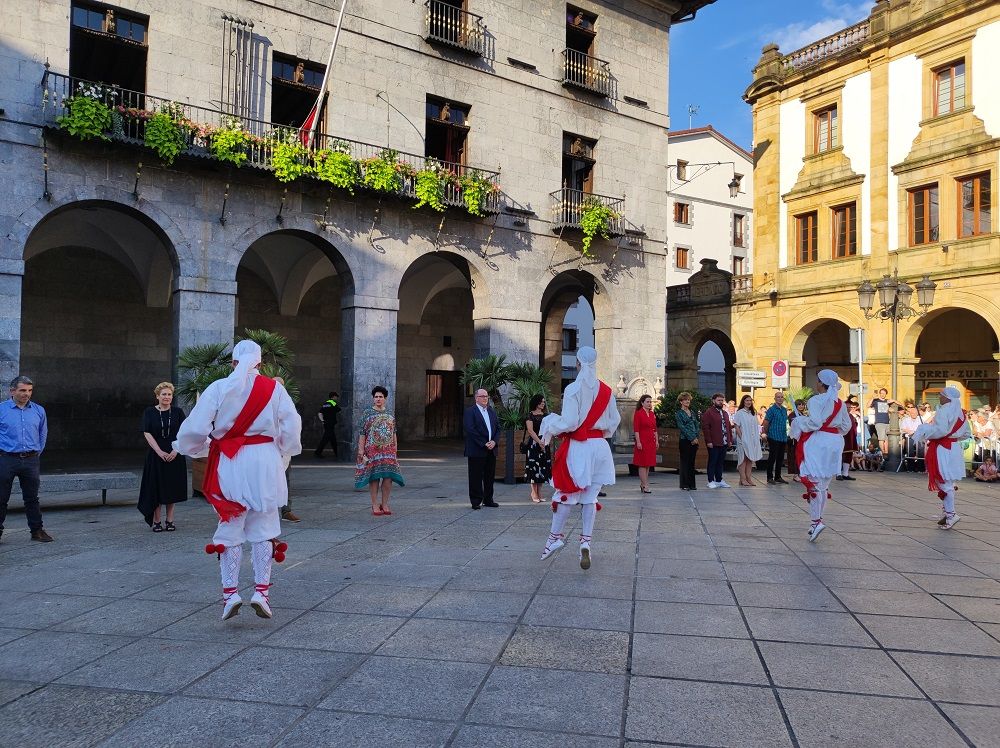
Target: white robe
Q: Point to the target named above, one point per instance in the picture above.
(951, 460)
(589, 461)
(823, 452)
(749, 443)
(255, 477)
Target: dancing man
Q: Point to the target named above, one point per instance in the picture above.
(820, 437)
(583, 462)
(245, 424)
(944, 456)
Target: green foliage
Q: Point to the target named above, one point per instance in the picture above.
(798, 393)
(476, 190)
(335, 165)
(86, 117)
(230, 143)
(595, 220)
(430, 185)
(666, 408)
(519, 381)
(165, 135)
(384, 173)
(289, 158)
(490, 374)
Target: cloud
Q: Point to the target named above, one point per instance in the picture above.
(839, 15)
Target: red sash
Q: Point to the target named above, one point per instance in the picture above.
(934, 477)
(561, 478)
(800, 446)
(231, 443)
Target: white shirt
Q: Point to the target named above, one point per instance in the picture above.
(486, 417)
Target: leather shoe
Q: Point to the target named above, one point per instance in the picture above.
(491, 504)
(602, 495)
(41, 536)
(475, 506)
(780, 480)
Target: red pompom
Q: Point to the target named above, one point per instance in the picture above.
(563, 497)
(599, 507)
(829, 495)
(220, 548)
(279, 557)
(210, 549)
(806, 497)
(942, 495)
(281, 547)
(555, 505)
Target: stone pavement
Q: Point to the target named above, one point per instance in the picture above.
(707, 620)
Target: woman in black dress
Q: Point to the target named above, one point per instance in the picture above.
(539, 457)
(164, 476)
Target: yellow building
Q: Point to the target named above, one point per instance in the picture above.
(876, 150)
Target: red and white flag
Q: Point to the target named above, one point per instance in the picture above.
(307, 132)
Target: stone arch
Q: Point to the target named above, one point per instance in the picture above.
(559, 295)
(823, 343)
(798, 329)
(423, 279)
(726, 344)
(962, 300)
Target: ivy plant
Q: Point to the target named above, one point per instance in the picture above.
(86, 116)
(595, 220)
(290, 159)
(384, 173)
(429, 186)
(335, 165)
(230, 143)
(165, 135)
(476, 190)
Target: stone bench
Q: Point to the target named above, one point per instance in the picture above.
(67, 482)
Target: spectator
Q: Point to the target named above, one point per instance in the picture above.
(748, 436)
(717, 428)
(987, 472)
(688, 423)
(538, 456)
(775, 427)
(377, 464)
(926, 413)
(881, 406)
(329, 411)
(873, 456)
(646, 440)
(23, 431)
(164, 474)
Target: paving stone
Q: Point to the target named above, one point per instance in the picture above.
(807, 626)
(109, 583)
(772, 573)
(340, 632)
(448, 640)
(951, 585)
(703, 714)
(886, 602)
(14, 689)
(401, 687)
(45, 655)
(822, 559)
(709, 592)
(828, 719)
(186, 721)
(972, 680)
(498, 580)
(571, 649)
(671, 550)
(798, 597)
(550, 700)
(468, 605)
(416, 575)
(584, 584)
(477, 736)
(579, 612)
(981, 724)
(188, 588)
(696, 658)
(867, 579)
(689, 618)
(377, 599)
(974, 608)
(821, 667)
(931, 635)
(41, 610)
(321, 729)
(207, 625)
(129, 617)
(298, 677)
(9, 635)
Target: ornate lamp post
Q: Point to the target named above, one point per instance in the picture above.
(894, 298)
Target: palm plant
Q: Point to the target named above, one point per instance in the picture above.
(799, 393)
(490, 373)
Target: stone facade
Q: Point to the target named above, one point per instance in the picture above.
(361, 285)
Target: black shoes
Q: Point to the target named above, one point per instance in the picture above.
(41, 536)
(491, 504)
(780, 480)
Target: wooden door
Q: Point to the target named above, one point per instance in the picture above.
(443, 406)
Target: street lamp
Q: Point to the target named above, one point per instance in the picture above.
(894, 297)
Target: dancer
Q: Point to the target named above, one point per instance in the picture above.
(245, 424)
(944, 456)
(583, 462)
(820, 444)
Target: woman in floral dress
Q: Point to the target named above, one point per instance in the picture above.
(377, 464)
(538, 469)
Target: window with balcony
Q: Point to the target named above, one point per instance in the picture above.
(739, 265)
(450, 23)
(974, 205)
(825, 130)
(739, 228)
(949, 88)
(682, 258)
(447, 130)
(578, 161)
(295, 87)
(845, 230)
(805, 238)
(682, 213)
(108, 45)
(581, 68)
(923, 215)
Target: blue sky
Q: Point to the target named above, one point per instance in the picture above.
(711, 58)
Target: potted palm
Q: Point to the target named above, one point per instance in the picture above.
(666, 427)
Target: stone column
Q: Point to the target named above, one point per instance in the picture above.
(11, 278)
(367, 355)
(513, 333)
(204, 312)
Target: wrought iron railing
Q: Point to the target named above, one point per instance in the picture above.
(586, 72)
(741, 285)
(130, 110)
(828, 46)
(449, 24)
(569, 205)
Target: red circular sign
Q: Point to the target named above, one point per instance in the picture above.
(779, 368)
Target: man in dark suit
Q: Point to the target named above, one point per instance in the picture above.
(481, 427)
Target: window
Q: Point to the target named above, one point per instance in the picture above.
(108, 46)
(974, 205)
(825, 130)
(447, 131)
(845, 230)
(739, 263)
(580, 31)
(578, 159)
(739, 182)
(683, 259)
(682, 170)
(923, 213)
(805, 238)
(295, 87)
(949, 88)
(569, 340)
(682, 213)
(739, 223)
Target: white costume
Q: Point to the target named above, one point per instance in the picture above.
(822, 451)
(950, 457)
(254, 478)
(748, 445)
(589, 461)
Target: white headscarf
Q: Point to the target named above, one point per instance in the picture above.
(247, 355)
(830, 379)
(587, 376)
(952, 393)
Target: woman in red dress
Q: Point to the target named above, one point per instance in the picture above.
(646, 440)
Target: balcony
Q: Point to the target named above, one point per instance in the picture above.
(587, 73)
(741, 285)
(827, 47)
(454, 27)
(568, 207)
(199, 129)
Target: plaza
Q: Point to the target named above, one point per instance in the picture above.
(706, 619)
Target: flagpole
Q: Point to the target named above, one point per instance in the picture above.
(326, 74)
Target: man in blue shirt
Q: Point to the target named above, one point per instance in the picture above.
(23, 430)
(775, 425)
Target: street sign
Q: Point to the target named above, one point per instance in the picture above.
(857, 345)
(779, 374)
(854, 389)
(751, 378)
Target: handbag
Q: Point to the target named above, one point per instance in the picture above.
(524, 444)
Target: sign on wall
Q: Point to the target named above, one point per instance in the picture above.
(751, 378)
(779, 374)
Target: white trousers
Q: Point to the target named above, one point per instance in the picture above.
(588, 508)
(251, 526)
(817, 497)
(948, 502)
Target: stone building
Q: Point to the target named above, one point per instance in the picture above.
(875, 149)
(113, 260)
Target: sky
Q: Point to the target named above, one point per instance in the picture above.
(712, 57)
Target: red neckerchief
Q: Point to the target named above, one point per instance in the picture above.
(561, 478)
(934, 477)
(800, 446)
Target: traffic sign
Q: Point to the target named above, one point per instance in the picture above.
(779, 374)
(751, 378)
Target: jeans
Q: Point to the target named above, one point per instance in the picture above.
(775, 456)
(716, 460)
(26, 471)
(686, 470)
